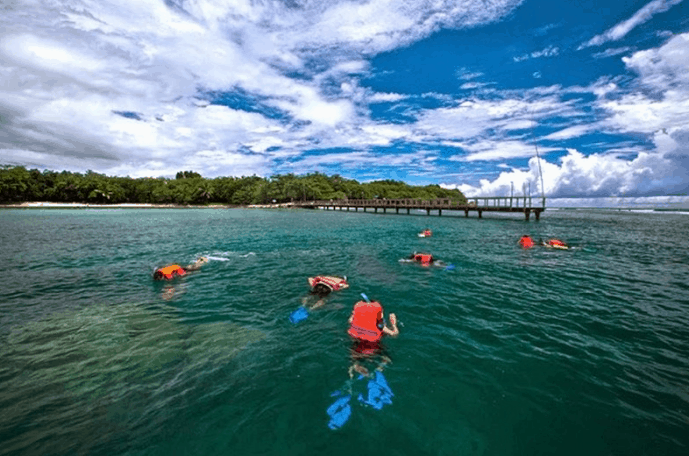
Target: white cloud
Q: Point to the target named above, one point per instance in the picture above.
(476, 118)
(611, 52)
(662, 98)
(569, 132)
(68, 65)
(550, 51)
(593, 175)
(385, 97)
(467, 75)
(620, 30)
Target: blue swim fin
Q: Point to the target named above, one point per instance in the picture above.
(339, 412)
(379, 392)
(450, 267)
(299, 315)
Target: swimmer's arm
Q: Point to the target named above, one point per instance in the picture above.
(318, 304)
(196, 264)
(394, 331)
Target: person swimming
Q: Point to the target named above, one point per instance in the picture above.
(425, 259)
(367, 327)
(426, 233)
(174, 270)
(556, 244)
(526, 241)
(322, 286)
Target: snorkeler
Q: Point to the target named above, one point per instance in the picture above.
(526, 241)
(425, 259)
(426, 233)
(367, 327)
(175, 270)
(322, 286)
(556, 244)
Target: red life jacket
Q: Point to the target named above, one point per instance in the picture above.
(424, 258)
(334, 283)
(169, 272)
(365, 320)
(557, 243)
(427, 233)
(526, 242)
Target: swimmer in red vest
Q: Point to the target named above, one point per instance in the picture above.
(367, 327)
(174, 270)
(424, 259)
(556, 244)
(526, 241)
(322, 286)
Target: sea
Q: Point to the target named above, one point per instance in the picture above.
(501, 351)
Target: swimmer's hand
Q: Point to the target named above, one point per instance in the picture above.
(393, 319)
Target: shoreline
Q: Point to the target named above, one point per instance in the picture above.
(51, 205)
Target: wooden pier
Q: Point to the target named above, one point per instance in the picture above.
(520, 204)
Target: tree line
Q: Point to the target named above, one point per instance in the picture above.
(17, 184)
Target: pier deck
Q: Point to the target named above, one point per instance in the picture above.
(521, 204)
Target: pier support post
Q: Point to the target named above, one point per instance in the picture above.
(428, 212)
(440, 212)
(385, 210)
(527, 213)
(480, 214)
(407, 211)
(538, 215)
(375, 209)
(397, 209)
(466, 212)
(356, 209)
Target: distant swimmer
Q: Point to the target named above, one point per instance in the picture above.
(556, 244)
(526, 241)
(322, 286)
(367, 327)
(175, 270)
(425, 259)
(426, 233)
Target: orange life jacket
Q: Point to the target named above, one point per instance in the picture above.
(423, 258)
(427, 233)
(365, 320)
(333, 282)
(526, 242)
(557, 243)
(169, 271)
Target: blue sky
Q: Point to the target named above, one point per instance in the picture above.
(457, 93)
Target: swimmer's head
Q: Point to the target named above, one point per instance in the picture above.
(157, 275)
(321, 290)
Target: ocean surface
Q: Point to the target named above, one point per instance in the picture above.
(512, 352)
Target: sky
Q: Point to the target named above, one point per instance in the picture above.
(460, 93)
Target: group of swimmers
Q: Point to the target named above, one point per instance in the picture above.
(527, 242)
(367, 324)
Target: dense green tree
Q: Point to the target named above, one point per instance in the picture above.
(18, 184)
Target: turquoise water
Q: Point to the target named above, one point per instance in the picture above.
(512, 353)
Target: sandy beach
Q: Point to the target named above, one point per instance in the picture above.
(52, 205)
